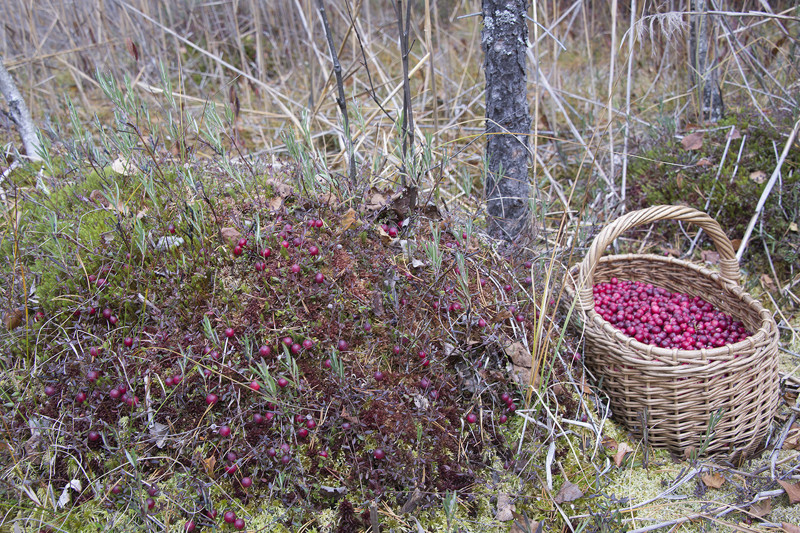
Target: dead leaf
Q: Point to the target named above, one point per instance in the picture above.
(349, 220)
(689, 452)
(519, 354)
(231, 235)
(376, 200)
(412, 502)
(704, 162)
(405, 202)
(13, 319)
(609, 443)
(280, 187)
(766, 283)
(758, 176)
(792, 441)
(521, 363)
(622, 450)
(99, 198)
(792, 490)
(734, 134)
(208, 465)
(502, 316)
(793, 227)
(709, 256)
(736, 243)
(569, 492)
(693, 141)
(121, 166)
(761, 509)
(132, 49)
(275, 203)
(714, 480)
(505, 509)
(790, 528)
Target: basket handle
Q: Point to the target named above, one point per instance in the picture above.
(729, 266)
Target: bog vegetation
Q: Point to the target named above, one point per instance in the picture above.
(209, 323)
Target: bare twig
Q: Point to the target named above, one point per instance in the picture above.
(340, 100)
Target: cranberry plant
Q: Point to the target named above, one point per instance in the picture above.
(221, 342)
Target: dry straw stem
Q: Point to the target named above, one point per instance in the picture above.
(767, 190)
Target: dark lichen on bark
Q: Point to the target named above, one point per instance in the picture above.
(504, 40)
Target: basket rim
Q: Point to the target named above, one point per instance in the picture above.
(765, 332)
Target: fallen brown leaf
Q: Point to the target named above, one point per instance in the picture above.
(704, 162)
(758, 176)
(693, 141)
(349, 219)
(609, 443)
(376, 200)
(734, 134)
(13, 319)
(792, 490)
(790, 528)
(505, 508)
(709, 256)
(761, 509)
(569, 492)
(766, 283)
(622, 450)
(714, 480)
(208, 465)
(688, 452)
(792, 441)
(231, 235)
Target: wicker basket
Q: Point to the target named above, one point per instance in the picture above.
(677, 391)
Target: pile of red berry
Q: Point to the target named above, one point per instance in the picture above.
(656, 316)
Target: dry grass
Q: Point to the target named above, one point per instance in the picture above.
(591, 106)
(604, 85)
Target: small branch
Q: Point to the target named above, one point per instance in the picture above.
(767, 190)
(408, 114)
(340, 100)
(20, 114)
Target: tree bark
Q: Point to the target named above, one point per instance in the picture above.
(504, 40)
(703, 79)
(19, 113)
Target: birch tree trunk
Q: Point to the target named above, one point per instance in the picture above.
(703, 79)
(504, 41)
(19, 113)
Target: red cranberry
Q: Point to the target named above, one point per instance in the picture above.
(229, 517)
(211, 398)
(379, 454)
(319, 277)
(264, 351)
(247, 482)
(224, 431)
(472, 418)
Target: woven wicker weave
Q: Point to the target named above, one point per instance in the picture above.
(679, 390)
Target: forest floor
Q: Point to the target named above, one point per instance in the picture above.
(207, 325)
